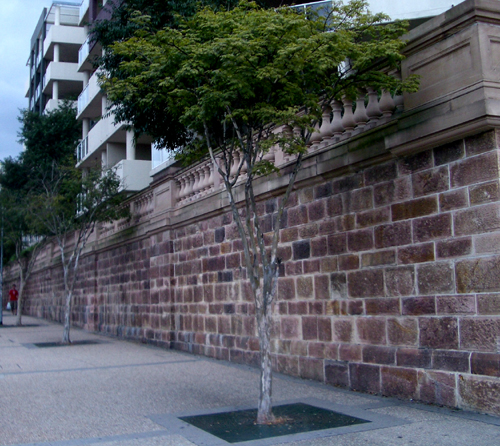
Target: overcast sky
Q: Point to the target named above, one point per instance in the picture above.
(18, 19)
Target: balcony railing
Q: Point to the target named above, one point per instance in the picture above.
(83, 10)
(83, 52)
(82, 149)
(83, 99)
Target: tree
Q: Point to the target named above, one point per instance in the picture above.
(20, 235)
(67, 208)
(47, 138)
(244, 83)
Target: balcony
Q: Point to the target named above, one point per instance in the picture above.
(82, 149)
(90, 100)
(134, 174)
(87, 55)
(69, 38)
(84, 12)
(72, 81)
(53, 104)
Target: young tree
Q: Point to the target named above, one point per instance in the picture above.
(67, 208)
(47, 138)
(20, 235)
(244, 82)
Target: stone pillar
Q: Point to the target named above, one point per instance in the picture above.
(130, 145)
(104, 159)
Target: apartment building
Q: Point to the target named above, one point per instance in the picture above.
(54, 56)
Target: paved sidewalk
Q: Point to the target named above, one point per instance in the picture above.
(109, 392)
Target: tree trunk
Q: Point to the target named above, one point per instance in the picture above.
(264, 412)
(67, 320)
(20, 301)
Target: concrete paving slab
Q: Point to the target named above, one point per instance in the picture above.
(114, 393)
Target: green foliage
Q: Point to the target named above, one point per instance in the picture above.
(228, 74)
(47, 138)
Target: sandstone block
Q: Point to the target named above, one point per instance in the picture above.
(365, 377)
(297, 216)
(485, 364)
(387, 257)
(301, 249)
(392, 192)
(311, 368)
(325, 329)
(451, 360)
(479, 393)
(342, 330)
(366, 283)
(413, 357)
(290, 327)
(414, 208)
(350, 352)
(399, 382)
(488, 304)
(448, 153)
(435, 278)
(371, 330)
(337, 244)
(348, 261)
(381, 173)
(477, 169)
(400, 281)
(430, 181)
(393, 234)
(484, 193)
(414, 163)
(360, 240)
(346, 184)
(334, 206)
(357, 200)
(337, 373)
(402, 331)
(438, 332)
(455, 199)
(461, 304)
(429, 228)
(309, 328)
(286, 288)
(416, 253)
(481, 143)
(323, 190)
(322, 286)
(374, 354)
(417, 306)
(478, 275)
(373, 217)
(454, 248)
(379, 307)
(481, 334)
(338, 283)
(437, 388)
(316, 210)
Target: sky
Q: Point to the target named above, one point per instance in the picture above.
(18, 19)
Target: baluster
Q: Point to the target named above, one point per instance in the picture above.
(182, 188)
(373, 110)
(234, 166)
(386, 104)
(190, 183)
(348, 119)
(211, 180)
(315, 137)
(197, 182)
(326, 129)
(336, 125)
(360, 115)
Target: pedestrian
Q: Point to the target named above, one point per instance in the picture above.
(13, 295)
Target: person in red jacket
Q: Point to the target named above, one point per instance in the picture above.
(13, 296)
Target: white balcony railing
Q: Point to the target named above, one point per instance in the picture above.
(82, 149)
(83, 99)
(83, 10)
(83, 52)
